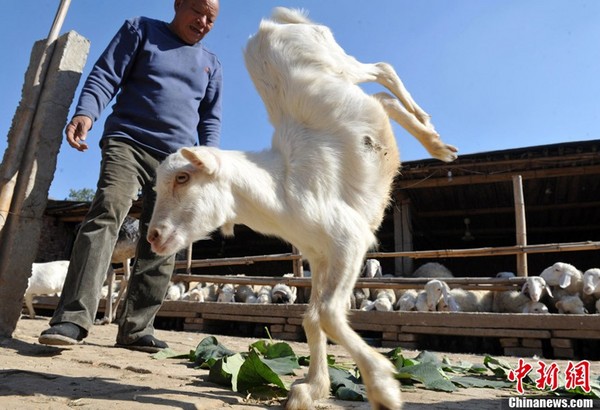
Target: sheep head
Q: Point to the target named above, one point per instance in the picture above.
(534, 287)
(591, 281)
(192, 199)
(436, 290)
(560, 274)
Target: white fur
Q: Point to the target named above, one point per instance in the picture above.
(432, 270)
(564, 276)
(323, 186)
(407, 300)
(591, 282)
(175, 291)
(245, 294)
(571, 304)
(226, 293)
(282, 293)
(46, 279)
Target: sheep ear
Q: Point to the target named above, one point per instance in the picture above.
(549, 291)
(525, 288)
(565, 280)
(202, 159)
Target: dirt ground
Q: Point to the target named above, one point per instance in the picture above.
(96, 375)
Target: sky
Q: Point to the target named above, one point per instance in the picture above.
(493, 74)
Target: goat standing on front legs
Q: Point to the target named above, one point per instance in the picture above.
(323, 186)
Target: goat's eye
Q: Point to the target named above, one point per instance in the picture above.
(182, 178)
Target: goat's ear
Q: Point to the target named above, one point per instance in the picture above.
(201, 159)
(549, 291)
(525, 288)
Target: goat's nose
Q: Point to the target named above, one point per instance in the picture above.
(153, 235)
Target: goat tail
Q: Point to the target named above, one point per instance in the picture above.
(290, 16)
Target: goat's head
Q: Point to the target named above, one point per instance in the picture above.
(192, 199)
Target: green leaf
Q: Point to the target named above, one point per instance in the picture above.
(470, 381)
(428, 374)
(208, 351)
(346, 386)
(499, 367)
(169, 353)
(256, 371)
(428, 357)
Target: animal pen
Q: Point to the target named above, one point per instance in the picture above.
(519, 210)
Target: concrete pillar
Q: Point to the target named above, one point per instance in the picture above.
(21, 233)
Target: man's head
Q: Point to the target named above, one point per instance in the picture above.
(194, 19)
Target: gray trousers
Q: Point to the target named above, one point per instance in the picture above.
(125, 170)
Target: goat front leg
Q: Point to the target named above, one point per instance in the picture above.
(316, 384)
(427, 136)
(377, 371)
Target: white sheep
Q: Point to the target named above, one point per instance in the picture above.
(514, 301)
(535, 307)
(371, 269)
(462, 300)
(323, 186)
(591, 282)
(432, 270)
(226, 293)
(406, 300)
(263, 295)
(527, 300)
(245, 294)
(565, 277)
(571, 304)
(175, 291)
(435, 290)
(282, 293)
(46, 278)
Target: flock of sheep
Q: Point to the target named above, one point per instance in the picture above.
(560, 288)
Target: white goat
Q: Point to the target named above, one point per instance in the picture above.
(323, 186)
(46, 279)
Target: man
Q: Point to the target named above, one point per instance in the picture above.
(169, 96)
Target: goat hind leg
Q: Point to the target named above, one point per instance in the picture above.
(427, 136)
(316, 384)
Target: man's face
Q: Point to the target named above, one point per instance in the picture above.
(194, 19)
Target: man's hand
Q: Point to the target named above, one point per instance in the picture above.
(77, 131)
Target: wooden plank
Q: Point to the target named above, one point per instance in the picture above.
(475, 332)
(577, 334)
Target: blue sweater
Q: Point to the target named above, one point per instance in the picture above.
(168, 93)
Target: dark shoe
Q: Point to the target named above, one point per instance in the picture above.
(148, 344)
(63, 334)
